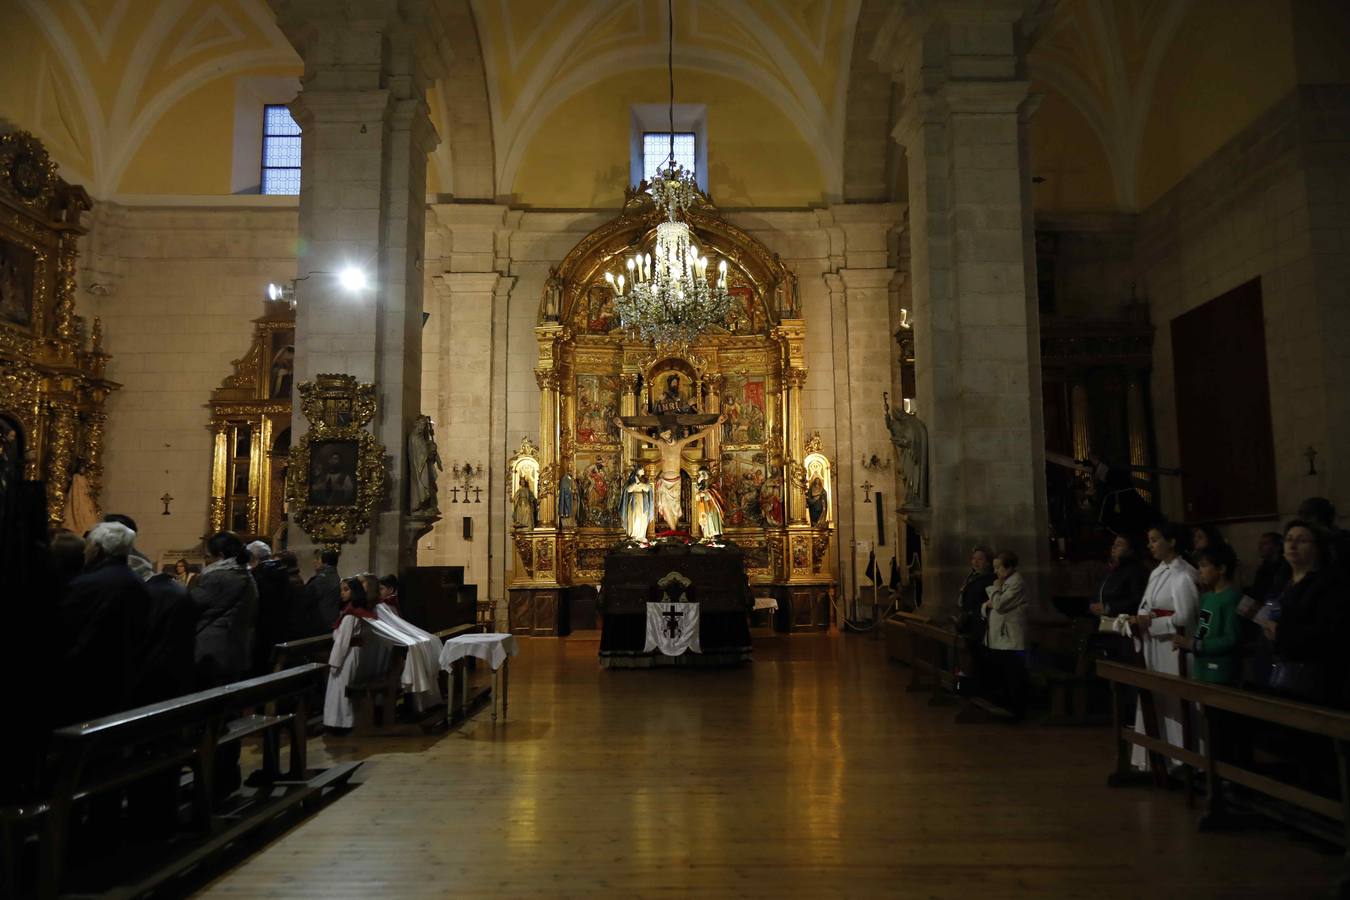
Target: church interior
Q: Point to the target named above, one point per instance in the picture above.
(399, 399)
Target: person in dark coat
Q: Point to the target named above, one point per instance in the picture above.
(166, 672)
(273, 600)
(1122, 589)
(1273, 572)
(323, 588)
(303, 618)
(1308, 635)
(974, 592)
(227, 609)
(170, 641)
(104, 614)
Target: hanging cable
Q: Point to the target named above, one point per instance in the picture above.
(670, 71)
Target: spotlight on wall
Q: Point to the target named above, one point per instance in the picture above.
(281, 292)
(352, 278)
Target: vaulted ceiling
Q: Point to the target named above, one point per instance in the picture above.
(138, 96)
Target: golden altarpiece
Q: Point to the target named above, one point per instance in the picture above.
(251, 425)
(589, 371)
(52, 385)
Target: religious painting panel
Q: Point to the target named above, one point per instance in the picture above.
(594, 311)
(670, 389)
(597, 405)
(599, 478)
(18, 269)
(747, 313)
(281, 363)
(744, 402)
(743, 481)
(332, 474)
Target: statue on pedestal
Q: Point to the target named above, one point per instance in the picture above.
(910, 437)
(423, 461)
(707, 508)
(523, 506)
(635, 505)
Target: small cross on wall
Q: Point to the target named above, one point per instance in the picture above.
(166, 500)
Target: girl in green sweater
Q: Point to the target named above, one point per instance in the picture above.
(1214, 644)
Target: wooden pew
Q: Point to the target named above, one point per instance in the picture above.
(91, 758)
(933, 652)
(1068, 688)
(1334, 814)
(382, 689)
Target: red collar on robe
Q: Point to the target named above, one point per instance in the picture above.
(350, 610)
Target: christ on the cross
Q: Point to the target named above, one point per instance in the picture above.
(668, 482)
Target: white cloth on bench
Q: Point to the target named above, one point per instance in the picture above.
(421, 668)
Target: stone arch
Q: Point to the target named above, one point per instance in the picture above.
(465, 160)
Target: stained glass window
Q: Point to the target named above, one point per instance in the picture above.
(656, 150)
(281, 151)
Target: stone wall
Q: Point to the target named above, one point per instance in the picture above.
(182, 287)
(1271, 204)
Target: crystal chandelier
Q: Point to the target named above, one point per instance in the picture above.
(666, 296)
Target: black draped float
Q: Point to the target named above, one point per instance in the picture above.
(718, 584)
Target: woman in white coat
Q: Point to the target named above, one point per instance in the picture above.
(1005, 640)
(1171, 606)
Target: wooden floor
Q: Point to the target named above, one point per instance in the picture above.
(807, 773)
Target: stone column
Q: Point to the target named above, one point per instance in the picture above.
(962, 70)
(367, 133)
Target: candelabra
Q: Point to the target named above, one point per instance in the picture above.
(466, 473)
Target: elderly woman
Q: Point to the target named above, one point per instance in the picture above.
(974, 592)
(1308, 632)
(1005, 638)
(1171, 606)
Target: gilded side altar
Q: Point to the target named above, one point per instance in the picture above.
(752, 371)
(52, 384)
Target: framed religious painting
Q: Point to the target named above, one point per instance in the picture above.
(18, 282)
(332, 473)
(594, 311)
(745, 404)
(597, 405)
(280, 363)
(335, 471)
(599, 479)
(671, 389)
(744, 482)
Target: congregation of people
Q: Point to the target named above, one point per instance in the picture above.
(1178, 600)
(133, 635)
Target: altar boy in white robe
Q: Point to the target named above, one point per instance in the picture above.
(420, 671)
(345, 657)
(1171, 606)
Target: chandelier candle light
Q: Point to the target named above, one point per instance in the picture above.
(666, 296)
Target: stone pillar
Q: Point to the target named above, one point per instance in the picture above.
(363, 113)
(962, 70)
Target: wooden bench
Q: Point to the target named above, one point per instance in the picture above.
(1068, 688)
(377, 692)
(91, 758)
(1331, 817)
(933, 652)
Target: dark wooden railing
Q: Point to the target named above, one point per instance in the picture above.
(115, 751)
(1218, 747)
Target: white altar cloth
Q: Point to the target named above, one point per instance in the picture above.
(493, 648)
